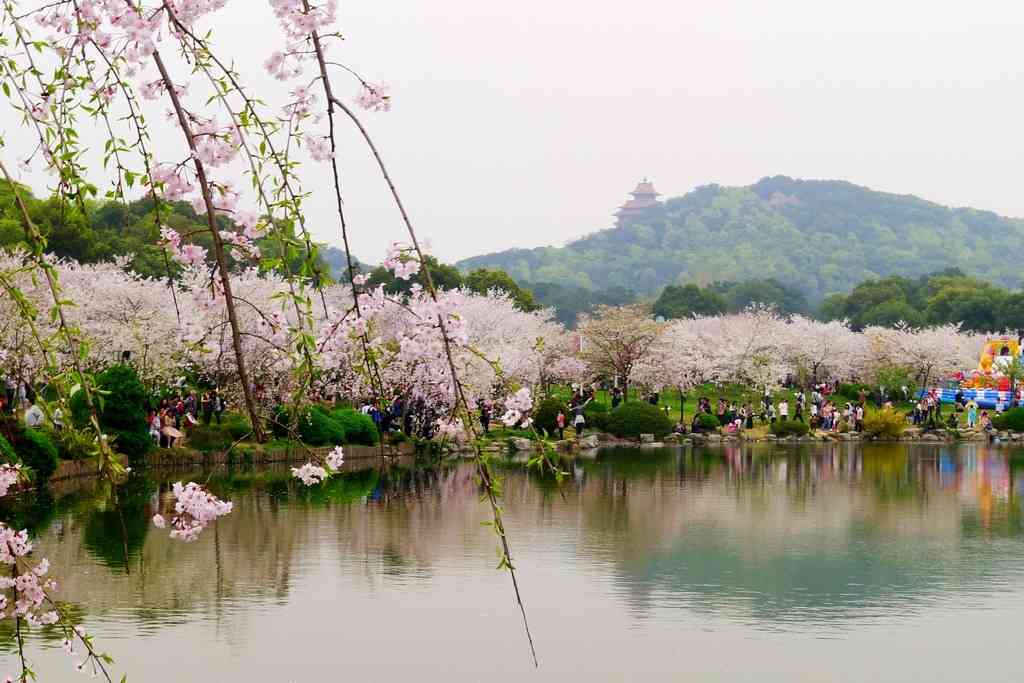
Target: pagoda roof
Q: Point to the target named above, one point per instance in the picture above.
(645, 187)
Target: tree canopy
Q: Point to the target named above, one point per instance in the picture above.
(948, 296)
(728, 297)
(447, 277)
(93, 232)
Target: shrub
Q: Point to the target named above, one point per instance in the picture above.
(359, 429)
(281, 422)
(209, 438)
(789, 428)
(852, 391)
(510, 433)
(37, 452)
(236, 425)
(546, 413)
(1012, 420)
(72, 444)
(635, 418)
(7, 454)
(122, 412)
(706, 422)
(318, 428)
(887, 424)
(596, 415)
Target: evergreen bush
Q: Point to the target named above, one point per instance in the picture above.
(72, 444)
(7, 454)
(546, 413)
(706, 422)
(209, 438)
(596, 415)
(852, 391)
(236, 425)
(789, 428)
(38, 453)
(360, 429)
(122, 410)
(318, 428)
(635, 418)
(1012, 420)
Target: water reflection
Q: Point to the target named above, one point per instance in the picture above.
(791, 538)
(805, 541)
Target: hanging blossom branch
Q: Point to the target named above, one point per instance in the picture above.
(309, 22)
(142, 138)
(288, 201)
(26, 597)
(218, 244)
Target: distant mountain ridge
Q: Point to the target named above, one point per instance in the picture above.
(820, 236)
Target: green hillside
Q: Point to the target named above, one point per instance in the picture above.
(820, 237)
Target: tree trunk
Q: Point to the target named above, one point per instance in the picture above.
(218, 250)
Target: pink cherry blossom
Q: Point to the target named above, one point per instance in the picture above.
(194, 509)
(374, 97)
(309, 474)
(336, 458)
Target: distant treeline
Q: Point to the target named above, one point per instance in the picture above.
(947, 296)
(92, 231)
(95, 231)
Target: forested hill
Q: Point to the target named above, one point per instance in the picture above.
(818, 236)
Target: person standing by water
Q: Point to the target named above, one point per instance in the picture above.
(616, 397)
(972, 414)
(206, 406)
(218, 405)
(560, 424)
(485, 415)
(579, 423)
(154, 426)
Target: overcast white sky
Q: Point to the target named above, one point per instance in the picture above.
(525, 124)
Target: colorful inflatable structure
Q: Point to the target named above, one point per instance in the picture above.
(987, 384)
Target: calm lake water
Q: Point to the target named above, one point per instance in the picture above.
(836, 563)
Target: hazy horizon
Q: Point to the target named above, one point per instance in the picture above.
(529, 128)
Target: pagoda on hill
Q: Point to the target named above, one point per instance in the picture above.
(644, 197)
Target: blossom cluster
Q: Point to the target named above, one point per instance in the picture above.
(374, 97)
(186, 254)
(518, 407)
(30, 586)
(310, 474)
(401, 261)
(194, 509)
(9, 476)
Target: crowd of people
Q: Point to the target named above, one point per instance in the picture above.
(823, 408)
(174, 416)
(820, 410)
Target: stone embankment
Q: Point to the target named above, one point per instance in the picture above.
(260, 455)
(909, 435)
